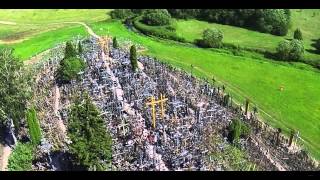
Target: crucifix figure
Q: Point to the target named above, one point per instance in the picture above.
(153, 103)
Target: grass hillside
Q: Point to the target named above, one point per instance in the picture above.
(297, 106)
(307, 20)
(25, 23)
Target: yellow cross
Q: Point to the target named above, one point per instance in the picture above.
(153, 103)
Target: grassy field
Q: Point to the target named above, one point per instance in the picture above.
(298, 106)
(307, 20)
(30, 22)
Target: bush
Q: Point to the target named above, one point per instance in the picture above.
(159, 17)
(70, 51)
(34, 126)
(91, 143)
(21, 157)
(238, 129)
(297, 34)
(290, 50)
(133, 57)
(166, 32)
(212, 38)
(121, 14)
(69, 69)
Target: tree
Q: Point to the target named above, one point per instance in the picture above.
(238, 129)
(290, 50)
(297, 34)
(80, 49)
(283, 50)
(212, 38)
(15, 88)
(156, 17)
(70, 51)
(133, 57)
(297, 49)
(91, 145)
(121, 14)
(69, 69)
(34, 126)
(115, 43)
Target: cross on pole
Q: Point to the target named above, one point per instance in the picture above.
(153, 103)
(124, 127)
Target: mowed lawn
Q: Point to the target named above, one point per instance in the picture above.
(307, 20)
(30, 22)
(297, 107)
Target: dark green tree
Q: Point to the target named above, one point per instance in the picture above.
(238, 129)
(22, 157)
(121, 14)
(69, 69)
(70, 51)
(133, 57)
(297, 34)
(15, 87)
(91, 145)
(80, 49)
(115, 43)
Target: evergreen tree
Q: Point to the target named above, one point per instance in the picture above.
(69, 51)
(133, 57)
(91, 143)
(115, 43)
(297, 34)
(80, 49)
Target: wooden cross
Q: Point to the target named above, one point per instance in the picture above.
(124, 127)
(153, 103)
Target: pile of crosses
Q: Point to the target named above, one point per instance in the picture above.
(158, 116)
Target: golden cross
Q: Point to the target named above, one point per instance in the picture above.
(153, 103)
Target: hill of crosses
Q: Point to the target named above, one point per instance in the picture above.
(160, 118)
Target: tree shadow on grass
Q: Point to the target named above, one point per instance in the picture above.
(313, 44)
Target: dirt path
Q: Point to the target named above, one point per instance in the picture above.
(56, 108)
(4, 158)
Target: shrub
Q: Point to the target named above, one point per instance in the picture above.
(157, 17)
(133, 57)
(290, 50)
(34, 126)
(21, 157)
(238, 129)
(121, 14)
(69, 69)
(212, 38)
(91, 143)
(297, 34)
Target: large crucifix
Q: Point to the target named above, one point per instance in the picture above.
(153, 103)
